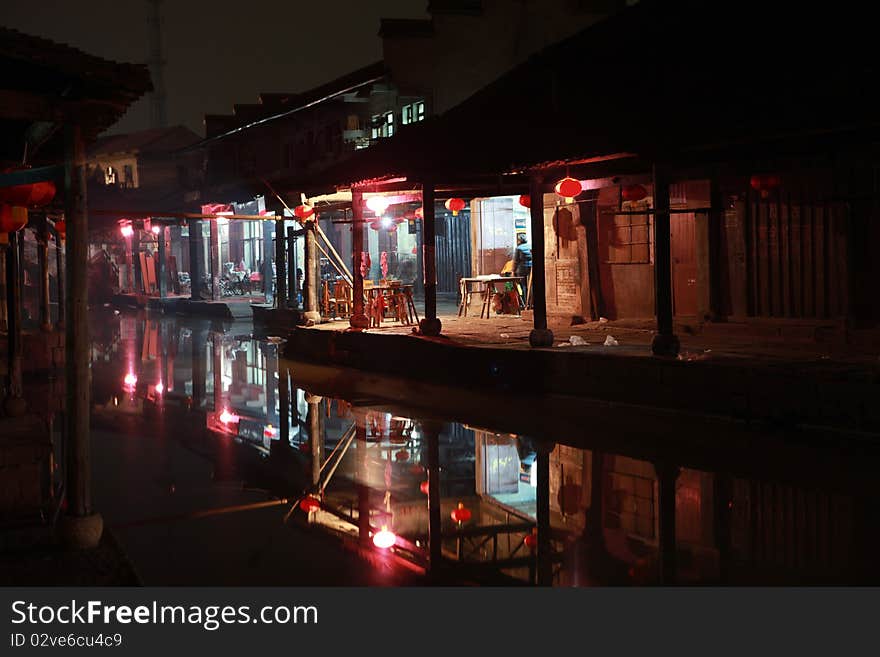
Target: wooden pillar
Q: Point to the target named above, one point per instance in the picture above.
(137, 277)
(162, 274)
(13, 323)
(431, 434)
(311, 279)
(665, 341)
(358, 316)
(540, 336)
(314, 422)
(280, 265)
(542, 513)
(267, 260)
(82, 527)
(291, 268)
(43, 258)
(430, 324)
(216, 269)
(60, 246)
(4, 282)
(707, 242)
(195, 259)
(667, 474)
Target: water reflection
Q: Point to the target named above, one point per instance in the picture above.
(465, 503)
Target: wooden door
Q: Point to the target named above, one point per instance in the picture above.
(684, 264)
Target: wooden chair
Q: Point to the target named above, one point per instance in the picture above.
(341, 300)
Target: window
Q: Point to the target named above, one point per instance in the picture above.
(628, 239)
(382, 125)
(413, 113)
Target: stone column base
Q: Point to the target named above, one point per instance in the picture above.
(359, 322)
(541, 338)
(665, 345)
(81, 532)
(312, 317)
(430, 326)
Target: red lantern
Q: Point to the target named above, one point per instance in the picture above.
(304, 211)
(633, 193)
(568, 188)
(424, 487)
(309, 504)
(419, 213)
(764, 183)
(461, 513)
(30, 195)
(455, 205)
(61, 228)
(12, 218)
(525, 200)
(402, 455)
(531, 540)
(376, 225)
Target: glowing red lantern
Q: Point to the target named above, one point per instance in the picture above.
(309, 504)
(633, 193)
(531, 540)
(30, 195)
(764, 183)
(402, 455)
(384, 538)
(12, 219)
(419, 213)
(455, 205)
(461, 513)
(525, 200)
(424, 487)
(568, 188)
(303, 211)
(61, 228)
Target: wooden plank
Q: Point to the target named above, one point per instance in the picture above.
(765, 281)
(797, 257)
(809, 276)
(773, 258)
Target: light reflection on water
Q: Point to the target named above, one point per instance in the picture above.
(369, 468)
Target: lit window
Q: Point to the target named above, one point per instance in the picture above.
(389, 124)
(413, 112)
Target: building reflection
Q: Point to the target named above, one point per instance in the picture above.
(468, 504)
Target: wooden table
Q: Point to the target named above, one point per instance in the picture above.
(400, 295)
(487, 285)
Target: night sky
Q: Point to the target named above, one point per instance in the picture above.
(219, 52)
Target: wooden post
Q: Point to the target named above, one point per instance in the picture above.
(137, 274)
(358, 318)
(291, 268)
(162, 274)
(311, 280)
(431, 433)
(43, 258)
(666, 477)
(316, 434)
(82, 527)
(665, 341)
(215, 258)
(542, 513)
(4, 283)
(267, 260)
(59, 277)
(280, 265)
(540, 336)
(217, 370)
(13, 322)
(430, 324)
(195, 256)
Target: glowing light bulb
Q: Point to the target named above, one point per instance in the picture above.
(384, 539)
(130, 380)
(160, 388)
(127, 231)
(378, 204)
(228, 418)
(155, 230)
